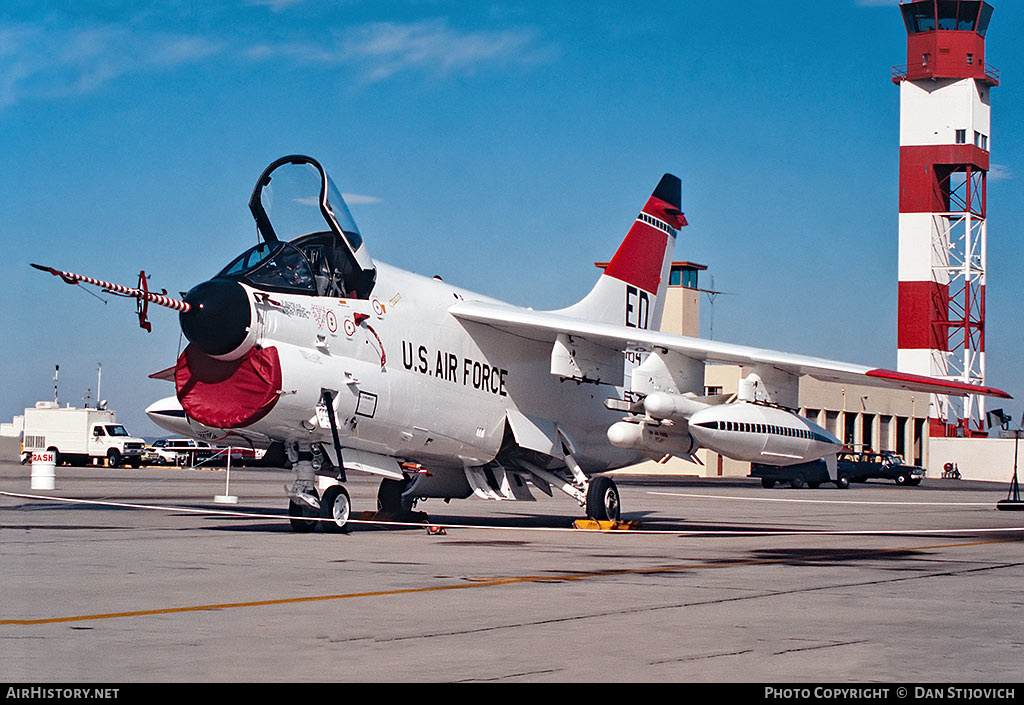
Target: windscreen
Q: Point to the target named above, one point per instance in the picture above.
(280, 267)
(339, 209)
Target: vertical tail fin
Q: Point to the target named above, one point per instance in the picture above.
(631, 291)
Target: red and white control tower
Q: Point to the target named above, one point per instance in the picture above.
(944, 163)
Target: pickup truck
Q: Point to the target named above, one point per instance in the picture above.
(850, 467)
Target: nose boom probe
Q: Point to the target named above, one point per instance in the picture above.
(141, 293)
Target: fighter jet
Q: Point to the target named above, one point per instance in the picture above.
(306, 344)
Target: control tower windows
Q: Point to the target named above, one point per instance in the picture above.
(947, 14)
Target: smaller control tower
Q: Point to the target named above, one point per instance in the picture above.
(945, 134)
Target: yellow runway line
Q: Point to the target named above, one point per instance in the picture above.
(511, 580)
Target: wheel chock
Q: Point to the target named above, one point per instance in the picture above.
(388, 517)
(402, 518)
(595, 525)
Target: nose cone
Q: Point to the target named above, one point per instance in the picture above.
(218, 322)
(168, 414)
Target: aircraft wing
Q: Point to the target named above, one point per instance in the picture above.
(545, 327)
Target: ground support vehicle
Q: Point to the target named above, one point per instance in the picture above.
(80, 435)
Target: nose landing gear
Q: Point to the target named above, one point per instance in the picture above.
(306, 508)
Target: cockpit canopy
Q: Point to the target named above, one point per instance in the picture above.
(311, 244)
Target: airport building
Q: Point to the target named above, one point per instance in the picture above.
(865, 418)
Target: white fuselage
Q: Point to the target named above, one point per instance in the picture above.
(412, 382)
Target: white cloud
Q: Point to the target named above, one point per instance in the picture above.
(380, 50)
(432, 45)
(49, 60)
(999, 172)
(275, 5)
(55, 58)
(359, 199)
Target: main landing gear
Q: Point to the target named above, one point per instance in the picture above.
(603, 499)
(598, 494)
(308, 509)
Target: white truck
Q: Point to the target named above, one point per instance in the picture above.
(80, 436)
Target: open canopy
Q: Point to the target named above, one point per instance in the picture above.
(310, 241)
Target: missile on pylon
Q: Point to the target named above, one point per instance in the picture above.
(678, 407)
(655, 440)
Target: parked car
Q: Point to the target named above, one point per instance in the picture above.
(177, 451)
(239, 456)
(887, 465)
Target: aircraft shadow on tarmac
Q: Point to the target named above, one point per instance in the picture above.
(511, 521)
(832, 556)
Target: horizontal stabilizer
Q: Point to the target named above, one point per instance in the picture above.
(166, 375)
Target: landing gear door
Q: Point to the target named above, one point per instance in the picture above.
(294, 198)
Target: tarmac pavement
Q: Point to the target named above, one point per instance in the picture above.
(727, 582)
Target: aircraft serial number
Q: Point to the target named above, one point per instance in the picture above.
(449, 367)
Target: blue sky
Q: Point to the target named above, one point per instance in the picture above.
(506, 147)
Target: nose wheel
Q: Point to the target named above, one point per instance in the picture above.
(302, 516)
(335, 507)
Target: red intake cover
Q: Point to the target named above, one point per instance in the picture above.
(228, 394)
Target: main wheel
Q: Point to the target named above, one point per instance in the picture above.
(798, 481)
(603, 499)
(843, 482)
(335, 507)
(113, 458)
(302, 516)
